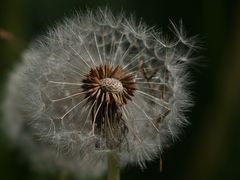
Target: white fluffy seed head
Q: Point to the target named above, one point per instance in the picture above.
(48, 109)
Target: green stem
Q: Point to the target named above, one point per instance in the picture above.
(113, 167)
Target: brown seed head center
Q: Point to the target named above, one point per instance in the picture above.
(111, 85)
(107, 89)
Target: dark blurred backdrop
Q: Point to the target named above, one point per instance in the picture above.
(209, 149)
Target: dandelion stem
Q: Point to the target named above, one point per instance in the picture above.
(113, 167)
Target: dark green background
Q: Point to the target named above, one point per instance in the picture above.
(209, 149)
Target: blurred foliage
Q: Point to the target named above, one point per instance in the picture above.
(210, 146)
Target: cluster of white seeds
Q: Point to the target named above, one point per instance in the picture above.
(47, 111)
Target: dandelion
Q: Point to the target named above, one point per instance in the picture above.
(98, 86)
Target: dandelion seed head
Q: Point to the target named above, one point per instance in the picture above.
(99, 83)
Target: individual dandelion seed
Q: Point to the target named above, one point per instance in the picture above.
(97, 85)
